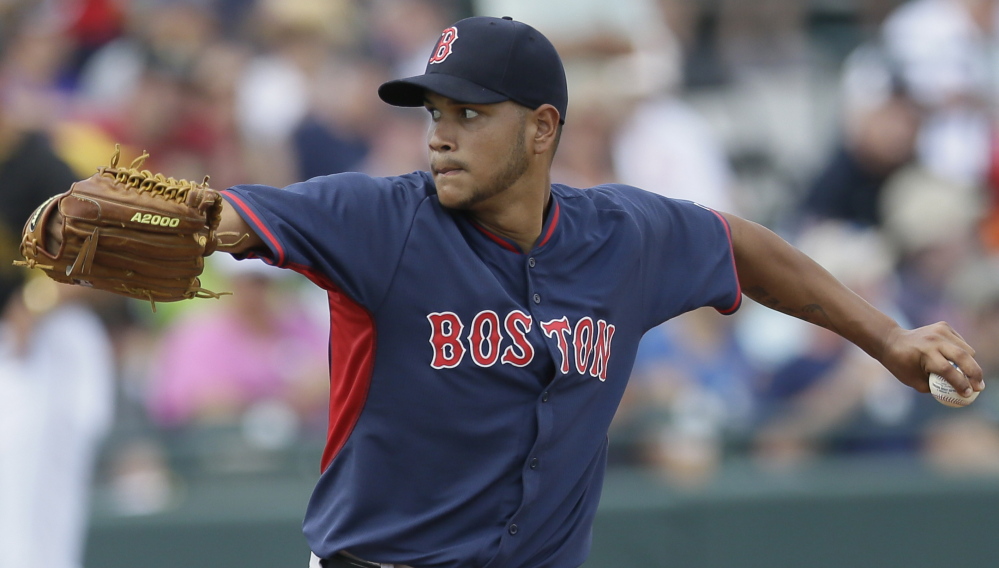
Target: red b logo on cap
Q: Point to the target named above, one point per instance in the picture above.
(443, 48)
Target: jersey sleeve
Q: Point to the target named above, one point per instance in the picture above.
(345, 230)
(687, 250)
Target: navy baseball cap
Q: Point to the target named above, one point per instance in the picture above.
(484, 60)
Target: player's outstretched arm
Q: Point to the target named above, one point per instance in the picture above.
(779, 276)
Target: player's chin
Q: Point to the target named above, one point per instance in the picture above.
(454, 195)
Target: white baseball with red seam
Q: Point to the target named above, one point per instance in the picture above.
(945, 393)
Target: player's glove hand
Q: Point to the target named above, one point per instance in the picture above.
(128, 231)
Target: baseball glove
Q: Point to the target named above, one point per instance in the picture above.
(127, 231)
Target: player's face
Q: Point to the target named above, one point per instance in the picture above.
(476, 151)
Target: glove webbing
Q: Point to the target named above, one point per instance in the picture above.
(145, 180)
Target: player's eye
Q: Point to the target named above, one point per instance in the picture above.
(435, 114)
(468, 113)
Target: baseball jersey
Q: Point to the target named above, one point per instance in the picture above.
(472, 383)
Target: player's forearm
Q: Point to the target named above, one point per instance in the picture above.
(781, 277)
(234, 234)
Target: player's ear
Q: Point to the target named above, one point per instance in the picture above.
(546, 121)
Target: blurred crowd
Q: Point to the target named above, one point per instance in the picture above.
(862, 131)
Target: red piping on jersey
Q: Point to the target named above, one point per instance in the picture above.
(503, 243)
(352, 362)
(735, 270)
(551, 227)
(497, 239)
(258, 225)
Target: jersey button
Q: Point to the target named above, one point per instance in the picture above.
(534, 463)
(544, 396)
(531, 262)
(513, 529)
(537, 298)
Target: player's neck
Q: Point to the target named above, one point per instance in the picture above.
(519, 219)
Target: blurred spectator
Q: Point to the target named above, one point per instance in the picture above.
(256, 351)
(879, 138)
(664, 144)
(234, 18)
(944, 50)
(871, 15)
(763, 34)
(275, 93)
(689, 394)
(337, 133)
(56, 372)
(585, 153)
(968, 442)
(167, 87)
(974, 287)
(399, 145)
(165, 37)
(32, 63)
(962, 445)
(777, 90)
(92, 24)
(29, 172)
(932, 222)
(56, 406)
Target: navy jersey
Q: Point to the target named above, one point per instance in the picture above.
(473, 384)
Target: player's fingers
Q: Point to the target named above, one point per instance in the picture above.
(970, 368)
(959, 368)
(946, 348)
(956, 337)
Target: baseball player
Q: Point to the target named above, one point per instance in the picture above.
(484, 320)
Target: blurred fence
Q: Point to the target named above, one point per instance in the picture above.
(855, 514)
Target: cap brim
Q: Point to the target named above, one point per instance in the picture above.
(411, 92)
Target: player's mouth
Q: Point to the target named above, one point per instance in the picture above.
(446, 169)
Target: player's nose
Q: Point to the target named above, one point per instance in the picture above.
(440, 137)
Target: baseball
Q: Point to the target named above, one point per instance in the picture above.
(945, 393)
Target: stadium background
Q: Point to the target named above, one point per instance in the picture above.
(862, 131)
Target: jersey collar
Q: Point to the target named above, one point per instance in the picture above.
(547, 230)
